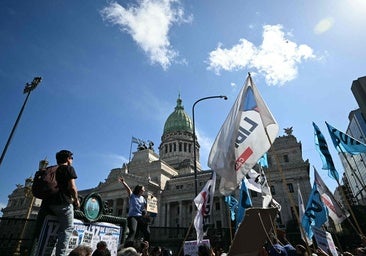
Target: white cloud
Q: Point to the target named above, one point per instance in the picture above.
(149, 23)
(323, 25)
(276, 58)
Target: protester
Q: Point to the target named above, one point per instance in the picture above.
(155, 251)
(102, 249)
(204, 250)
(277, 249)
(81, 250)
(128, 251)
(301, 250)
(61, 204)
(137, 220)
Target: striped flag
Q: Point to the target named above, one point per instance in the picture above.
(322, 147)
(135, 140)
(247, 133)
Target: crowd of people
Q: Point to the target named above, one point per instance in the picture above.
(277, 248)
(62, 204)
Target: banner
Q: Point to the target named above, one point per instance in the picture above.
(191, 247)
(325, 241)
(84, 233)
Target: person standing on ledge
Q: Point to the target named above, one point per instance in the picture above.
(137, 219)
(62, 204)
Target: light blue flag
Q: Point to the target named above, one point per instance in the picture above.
(263, 161)
(316, 213)
(135, 140)
(233, 203)
(345, 143)
(322, 147)
(244, 202)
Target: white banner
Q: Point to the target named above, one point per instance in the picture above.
(84, 233)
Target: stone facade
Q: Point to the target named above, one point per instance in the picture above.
(170, 177)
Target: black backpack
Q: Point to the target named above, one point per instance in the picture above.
(45, 183)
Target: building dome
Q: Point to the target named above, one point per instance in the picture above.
(178, 120)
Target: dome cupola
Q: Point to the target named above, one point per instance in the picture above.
(178, 120)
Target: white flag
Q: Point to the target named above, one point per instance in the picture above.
(258, 182)
(245, 136)
(254, 181)
(203, 202)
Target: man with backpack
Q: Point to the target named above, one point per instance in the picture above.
(61, 204)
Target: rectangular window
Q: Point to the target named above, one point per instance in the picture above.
(217, 206)
(290, 187)
(285, 158)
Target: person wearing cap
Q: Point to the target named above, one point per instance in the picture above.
(62, 204)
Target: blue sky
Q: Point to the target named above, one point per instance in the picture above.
(113, 70)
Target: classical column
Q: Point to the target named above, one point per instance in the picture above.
(168, 214)
(180, 214)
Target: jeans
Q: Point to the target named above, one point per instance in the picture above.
(135, 225)
(65, 216)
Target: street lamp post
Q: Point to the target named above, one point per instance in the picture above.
(194, 138)
(27, 89)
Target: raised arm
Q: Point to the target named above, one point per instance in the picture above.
(128, 189)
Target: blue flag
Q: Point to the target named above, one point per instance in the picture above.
(244, 202)
(263, 161)
(233, 203)
(315, 214)
(322, 147)
(345, 143)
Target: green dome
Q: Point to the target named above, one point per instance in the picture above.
(178, 120)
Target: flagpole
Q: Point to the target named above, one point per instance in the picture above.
(230, 227)
(185, 238)
(351, 211)
(129, 158)
(284, 182)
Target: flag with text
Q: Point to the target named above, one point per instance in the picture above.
(301, 213)
(233, 203)
(203, 202)
(315, 214)
(344, 142)
(247, 133)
